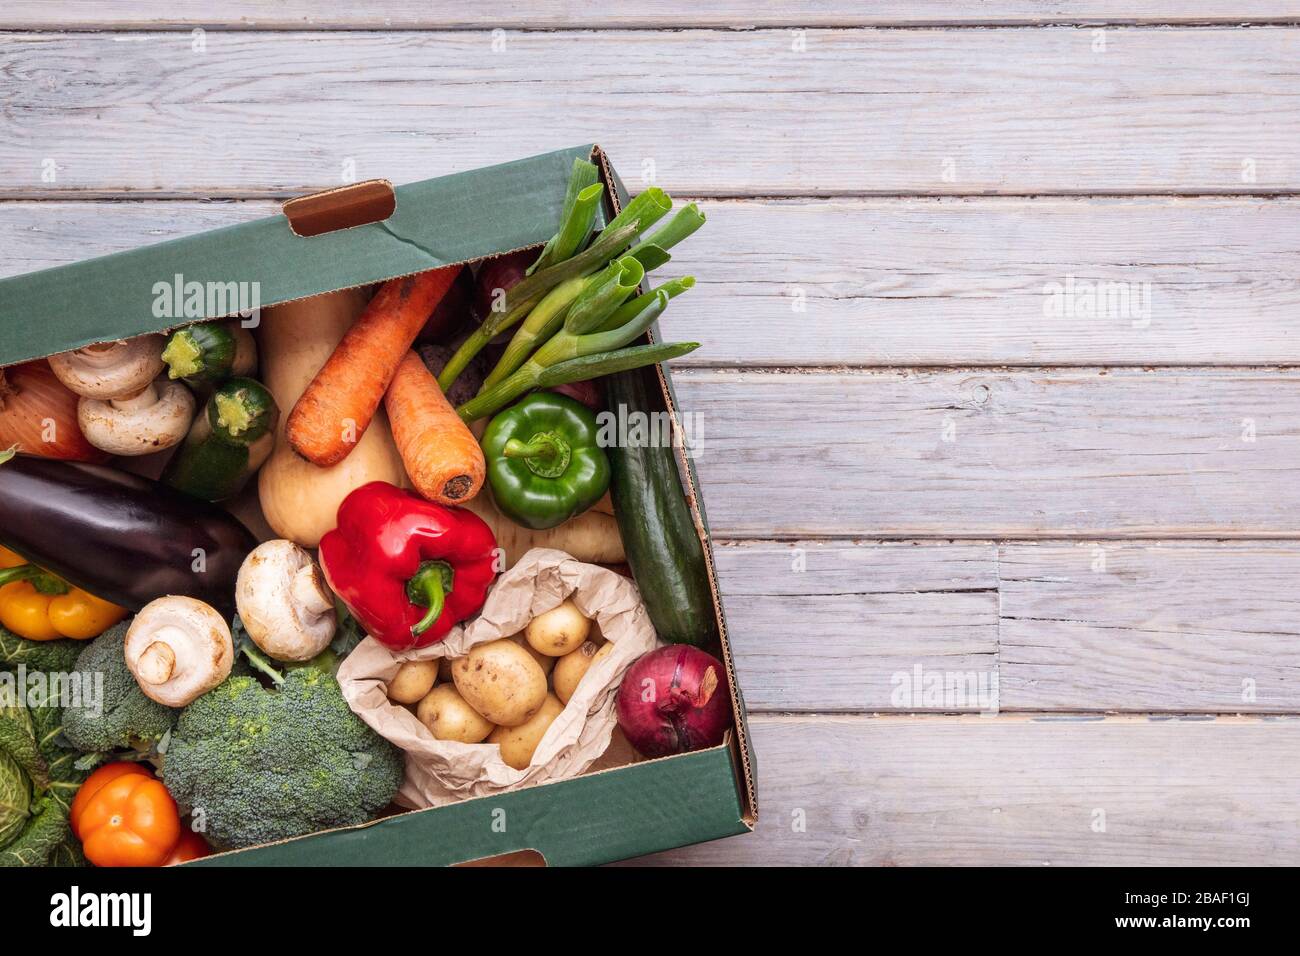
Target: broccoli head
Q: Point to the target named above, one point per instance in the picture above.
(118, 714)
(257, 764)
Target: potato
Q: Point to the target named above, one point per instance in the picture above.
(518, 744)
(414, 679)
(501, 681)
(570, 668)
(543, 661)
(448, 717)
(558, 631)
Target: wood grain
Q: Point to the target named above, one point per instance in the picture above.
(716, 113)
(824, 626)
(673, 14)
(988, 454)
(915, 626)
(1011, 791)
(955, 281)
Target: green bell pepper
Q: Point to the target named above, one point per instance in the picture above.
(544, 462)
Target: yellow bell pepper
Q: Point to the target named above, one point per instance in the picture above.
(39, 606)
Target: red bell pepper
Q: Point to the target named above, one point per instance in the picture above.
(408, 569)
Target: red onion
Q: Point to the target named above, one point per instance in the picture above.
(589, 393)
(453, 313)
(673, 700)
(504, 273)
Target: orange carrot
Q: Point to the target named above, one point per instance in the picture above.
(442, 457)
(335, 410)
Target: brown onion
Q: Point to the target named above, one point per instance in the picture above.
(673, 700)
(38, 413)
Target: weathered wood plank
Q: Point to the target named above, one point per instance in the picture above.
(1006, 791)
(707, 112)
(871, 626)
(824, 626)
(1151, 627)
(568, 14)
(997, 454)
(897, 281)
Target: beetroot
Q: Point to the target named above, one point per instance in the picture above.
(673, 700)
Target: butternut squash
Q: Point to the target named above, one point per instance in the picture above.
(300, 500)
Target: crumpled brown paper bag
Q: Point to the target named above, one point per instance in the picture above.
(439, 772)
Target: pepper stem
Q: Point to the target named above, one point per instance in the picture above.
(42, 580)
(429, 588)
(546, 454)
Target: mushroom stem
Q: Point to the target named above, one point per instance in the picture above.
(147, 397)
(308, 590)
(156, 663)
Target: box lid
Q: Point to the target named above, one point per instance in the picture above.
(436, 222)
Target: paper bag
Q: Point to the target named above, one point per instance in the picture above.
(439, 772)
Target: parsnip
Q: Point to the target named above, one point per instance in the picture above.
(592, 537)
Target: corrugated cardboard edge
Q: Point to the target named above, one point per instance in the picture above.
(618, 196)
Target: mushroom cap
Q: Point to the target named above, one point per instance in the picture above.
(284, 603)
(111, 369)
(157, 418)
(178, 648)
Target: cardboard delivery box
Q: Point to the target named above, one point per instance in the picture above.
(355, 236)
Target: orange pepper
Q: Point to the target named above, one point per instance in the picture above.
(33, 613)
(124, 816)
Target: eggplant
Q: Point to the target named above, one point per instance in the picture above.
(124, 538)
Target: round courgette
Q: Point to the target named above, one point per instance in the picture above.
(203, 355)
(228, 442)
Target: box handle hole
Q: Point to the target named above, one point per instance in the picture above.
(342, 208)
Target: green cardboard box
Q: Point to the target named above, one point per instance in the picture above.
(317, 247)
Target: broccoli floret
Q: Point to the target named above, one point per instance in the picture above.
(258, 764)
(118, 714)
(58, 656)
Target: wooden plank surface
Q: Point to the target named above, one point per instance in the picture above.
(824, 626)
(984, 453)
(888, 626)
(897, 281)
(976, 791)
(662, 14)
(1150, 627)
(704, 112)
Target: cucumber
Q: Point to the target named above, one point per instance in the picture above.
(205, 354)
(663, 549)
(228, 442)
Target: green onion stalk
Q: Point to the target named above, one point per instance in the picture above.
(546, 317)
(575, 228)
(529, 292)
(563, 347)
(592, 298)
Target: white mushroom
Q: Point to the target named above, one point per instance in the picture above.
(284, 603)
(111, 369)
(178, 648)
(156, 418)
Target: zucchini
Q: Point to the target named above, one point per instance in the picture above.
(205, 354)
(228, 442)
(663, 549)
